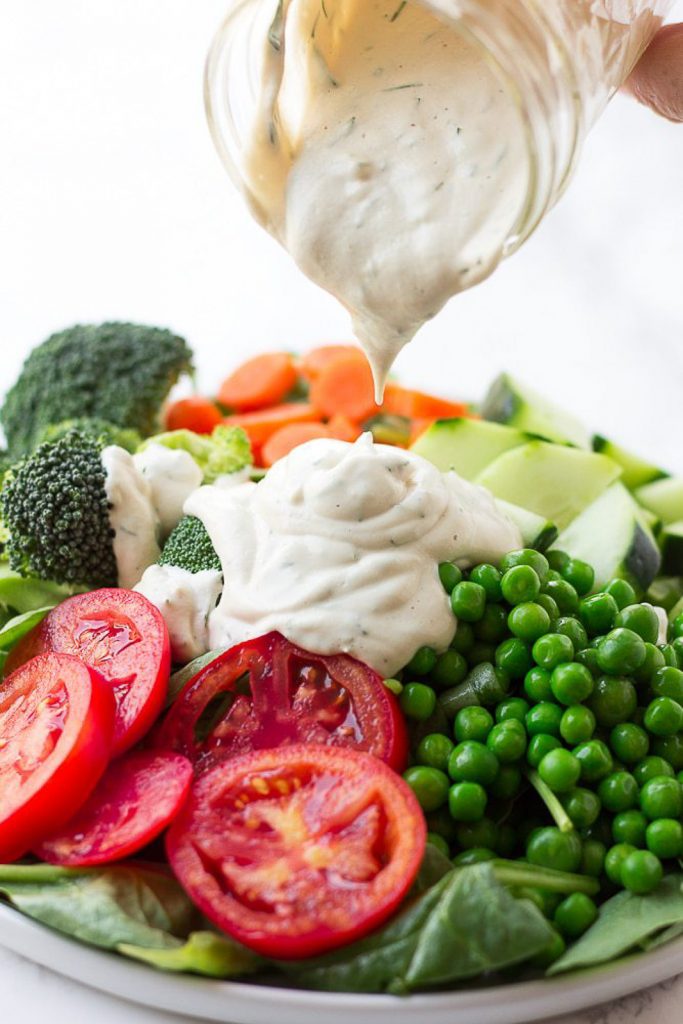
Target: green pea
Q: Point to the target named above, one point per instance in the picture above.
(473, 762)
(550, 605)
(440, 821)
(429, 785)
(595, 760)
(629, 827)
(564, 594)
(488, 577)
(450, 669)
(589, 657)
(439, 842)
(577, 724)
(641, 619)
(472, 723)
(614, 861)
(475, 855)
(418, 701)
(513, 656)
(621, 652)
(579, 574)
(618, 792)
(671, 749)
(422, 662)
(572, 628)
(560, 770)
(527, 556)
(575, 914)
(600, 831)
(450, 575)
(467, 801)
(677, 626)
(651, 768)
(669, 654)
(520, 584)
(513, 707)
(492, 626)
(550, 848)
(528, 621)
(551, 650)
(641, 872)
(478, 834)
(507, 783)
(571, 683)
(629, 742)
(668, 682)
(598, 613)
(468, 601)
(557, 559)
(664, 838)
(553, 951)
(614, 699)
(677, 646)
(463, 641)
(544, 718)
(434, 750)
(593, 858)
(540, 745)
(654, 660)
(507, 741)
(582, 806)
(664, 717)
(622, 592)
(537, 685)
(661, 797)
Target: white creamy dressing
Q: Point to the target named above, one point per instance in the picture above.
(338, 549)
(132, 515)
(386, 157)
(186, 601)
(172, 475)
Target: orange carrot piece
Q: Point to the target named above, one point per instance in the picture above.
(287, 438)
(344, 429)
(198, 414)
(400, 401)
(311, 364)
(260, 382)
(259, 426)
(345, 387)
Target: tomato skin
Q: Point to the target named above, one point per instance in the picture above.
(69, 750)
(200, 415)
(299, 850)
(295, 697)
(134, 801)
(122, 635)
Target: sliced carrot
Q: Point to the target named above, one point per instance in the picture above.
(198, 414)
(418, 427)
(344, 429)
(402, 401)
(259, 426)
(259, 383)
(345, 387)
(311, 364)
(287, 438)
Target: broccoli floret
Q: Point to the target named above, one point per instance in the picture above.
(222, 452)
(115, 371)
(55, 507)
(100, 430)
(189, 547)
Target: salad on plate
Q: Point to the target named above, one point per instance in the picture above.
(322, 693)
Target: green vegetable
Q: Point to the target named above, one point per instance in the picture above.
(225, 451)
(511, 402)
(26, 593)
(430, 786)
(117, 372)
(468, 601)
(472, 723)
(483, 685)
(418, 701)
(635, 471)
(205, 953)
(100, 430)
(189, 547)
(467, 801)
(471, 761)
(466, 445)
(450, 575)
(18, 626)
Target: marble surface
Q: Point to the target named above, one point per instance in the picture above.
(114, 205)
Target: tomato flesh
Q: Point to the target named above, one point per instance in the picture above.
(122, 635)
(268, 692)
(56, 727)
(134, 801)
(298, 850)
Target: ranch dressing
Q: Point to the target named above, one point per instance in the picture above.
(132, 515)
(386, 157)
(338, 549)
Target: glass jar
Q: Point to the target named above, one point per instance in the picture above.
(557, 61)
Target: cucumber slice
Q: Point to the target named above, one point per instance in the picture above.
(612, 537)
(466, 445)
(666, 591)
(508, 401)
(664, 498)
(635, 471)
(389, 429)
(549, 479)
(537, 531)
(671, 543)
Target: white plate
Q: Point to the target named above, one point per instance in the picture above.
(238, 1003)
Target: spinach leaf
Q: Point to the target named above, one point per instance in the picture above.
(625, 922)
(184, 674)
(142, 906)
(435, 865)
(465, 925)
(17, 627)
(207, 953)
(25, 594)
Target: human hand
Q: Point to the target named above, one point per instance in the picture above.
(657, 80)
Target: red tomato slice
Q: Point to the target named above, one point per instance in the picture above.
(298, 850)
(267, 692)
(134, 801)
(56, 726)
(123, 636)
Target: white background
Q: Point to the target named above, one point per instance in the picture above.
(114, 205)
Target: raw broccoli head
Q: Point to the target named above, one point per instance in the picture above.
(189, 547)
(116, 372)
(55, 508)
(100, 430)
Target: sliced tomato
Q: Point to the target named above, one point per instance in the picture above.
(134, 801)
(56, 727)
(298, 850)
(268, 692)
(123, 636)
